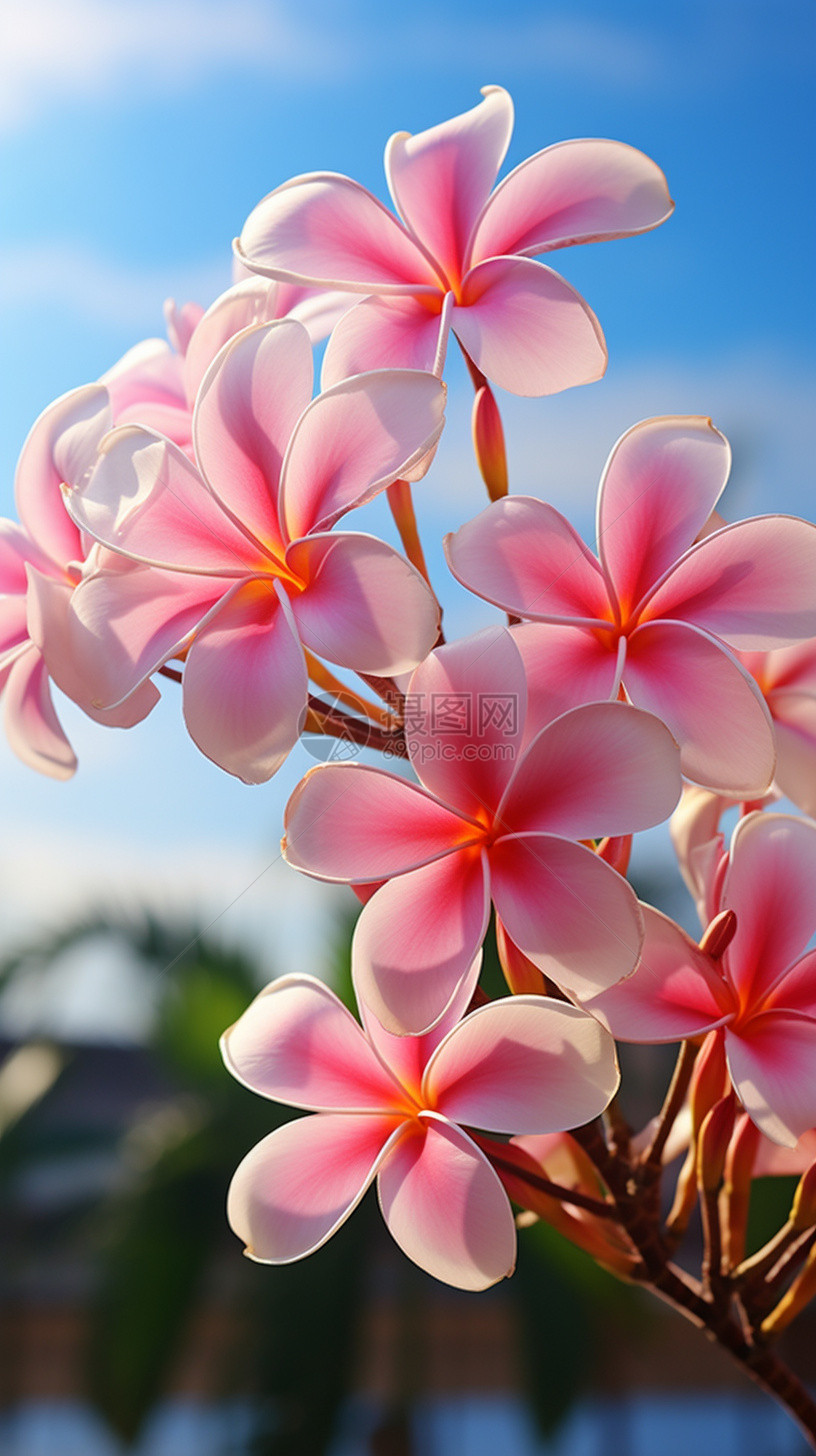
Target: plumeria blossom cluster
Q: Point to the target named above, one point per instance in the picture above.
(192, 517)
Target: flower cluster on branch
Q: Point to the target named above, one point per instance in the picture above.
(187, 517)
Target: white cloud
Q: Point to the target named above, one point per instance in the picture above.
(57, 50)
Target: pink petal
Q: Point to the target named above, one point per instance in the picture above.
(323, 228)
(247, 407)
(564, 666)
(352, 823)
(364, 606)
(674, 993)
(795, 989)
(446, 1208)
(574, 192)
(465, 712)
(751, 583)
(181, 322)
(124, 625)
(575, 918)
(13, 624)
(658, 489)
(384, 333)
(76, 660)
(353, 441)
(525, 557)
(794, 718)
(699, 846)
(600, 769)
(16, 551)
(769, 884)
(711, 704)
(525, 1064)
(297, 1043)
(148, 375)
(146, 501)
(297, 1186)
(246, 684)
(440, 179)
(60, 447)
(417, 938)
(31, 724)
(527, 329)
(252, 301)
(772, 1062)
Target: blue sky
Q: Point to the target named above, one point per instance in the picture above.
(135, 138)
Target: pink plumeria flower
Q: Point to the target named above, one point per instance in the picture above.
(486, 821)
(394, 1108)
(759, 999)
(46, 555)
(522, 325)
(239, 568)
(659, 611)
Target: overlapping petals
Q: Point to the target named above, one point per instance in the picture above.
(760, 996)
(244, 534)
(520, 323)
(660, 607)
(391, 1109)
(488, 821)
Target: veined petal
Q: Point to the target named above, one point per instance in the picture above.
(699, 845)
(297, 1044)
(751, 583)
(674, 992)
(31, 724)
(575, 918)
(711, 704)
(146, 500)
(246, 683)
(299, 1184)
(527, 329)
(324, 228)
(408, 1056)
(440, 179)
(599, 769)
(149, 374)
(466, 708)
(445, 1206)
(352, 823)
(60, 447)
(523, 1064)
(659, 487)
(524, 556)
(384, 333)
(353, 441)
(364, 606)
(769, 885)
(247, 407)
(417, 939)
(580, 191)
(772, 1062)
(13, 623)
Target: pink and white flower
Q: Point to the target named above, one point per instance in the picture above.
(759, 998)
(396, 1109)
(239, 569)
(659, 610)
(491, 819)
(522, 325)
